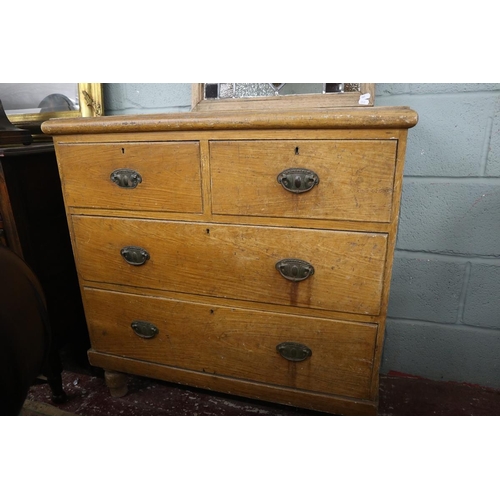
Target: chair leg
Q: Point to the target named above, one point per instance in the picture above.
(53, 372)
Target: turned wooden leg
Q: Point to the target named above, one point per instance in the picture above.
(116, 383)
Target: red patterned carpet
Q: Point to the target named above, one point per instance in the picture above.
(399, 395)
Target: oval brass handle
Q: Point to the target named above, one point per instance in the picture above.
(295, 269)
(298, 180)
(293, 351)
(144, 329)
(135, 256)
(126, 178)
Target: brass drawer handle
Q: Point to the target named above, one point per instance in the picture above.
(295, 269)
(293, 351)
(126, 178)
(298, 180)
(144, 329)
(135, 256)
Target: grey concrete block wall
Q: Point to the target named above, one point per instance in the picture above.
(451, 217)
(142, 98)
(426, 289)
(482, 303)
(444, 309)
(454, 132)
(444, 352)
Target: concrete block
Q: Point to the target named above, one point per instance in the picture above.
(385, 89)
(451, 88)
(137, 98)
(482, 300)
(443, 352)
(388, 89)
(450, 136)
(456, 218)
(493, 146)
(426, 289)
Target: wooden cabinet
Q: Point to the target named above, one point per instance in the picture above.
(35, 228)
(247, 253)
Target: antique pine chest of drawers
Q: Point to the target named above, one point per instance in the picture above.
(246, 253)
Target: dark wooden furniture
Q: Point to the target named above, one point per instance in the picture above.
(10, 134)
(33, 225)
(26, 339)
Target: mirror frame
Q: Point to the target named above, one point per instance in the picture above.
(283, 102)
(90, 98)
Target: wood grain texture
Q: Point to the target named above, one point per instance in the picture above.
(343, 118)
(171, 179)
(236, 261)
(355, 179)
(398, 187)
(228, 302)
(210, 283)
(264, 391)
(104, 135)
(235, 342)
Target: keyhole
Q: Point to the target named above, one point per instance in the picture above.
(123, 151)
(297, 150)
(208, 231)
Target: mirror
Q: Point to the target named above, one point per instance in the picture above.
(28, 105)
(284, 96)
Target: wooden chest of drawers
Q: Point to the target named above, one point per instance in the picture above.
(246, 253)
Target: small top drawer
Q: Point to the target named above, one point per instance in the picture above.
(153, 176)
(355, 178)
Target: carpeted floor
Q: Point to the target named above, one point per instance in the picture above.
(399, 395)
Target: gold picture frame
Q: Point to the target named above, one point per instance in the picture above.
(90, 100)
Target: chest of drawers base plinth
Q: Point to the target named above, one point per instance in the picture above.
(248, 253)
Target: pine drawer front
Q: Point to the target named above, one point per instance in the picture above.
(154, 176)
(355, 179)
(236, 261)
(235, 342)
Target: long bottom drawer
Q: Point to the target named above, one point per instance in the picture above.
(245, 344)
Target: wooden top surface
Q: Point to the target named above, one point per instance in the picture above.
(345, 118)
